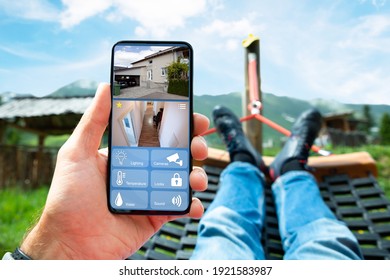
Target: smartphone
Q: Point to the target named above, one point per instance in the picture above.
(150, 128)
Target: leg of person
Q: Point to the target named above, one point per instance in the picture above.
(231, 227)
(308, 228)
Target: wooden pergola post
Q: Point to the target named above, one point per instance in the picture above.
(253, 129)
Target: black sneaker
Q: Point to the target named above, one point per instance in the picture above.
(230, 129)
(295, 152)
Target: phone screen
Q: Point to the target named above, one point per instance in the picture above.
(149, 157)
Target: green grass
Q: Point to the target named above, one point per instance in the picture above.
(381, 154)
(56, 141)
(19, 210)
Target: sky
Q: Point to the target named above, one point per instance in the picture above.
(125, 54)
(331, 49)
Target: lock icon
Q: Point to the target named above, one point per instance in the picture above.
(176, 181)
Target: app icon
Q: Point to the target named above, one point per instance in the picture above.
(176, 180)
(176, 200)
(118, 200)
(175, 158)
(121, 156)
(119, 177)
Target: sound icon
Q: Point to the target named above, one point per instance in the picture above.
(176, 200)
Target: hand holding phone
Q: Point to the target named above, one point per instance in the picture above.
(150, 128)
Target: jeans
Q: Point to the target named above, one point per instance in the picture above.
(232, 225)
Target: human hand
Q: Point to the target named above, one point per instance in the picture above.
(76, 222)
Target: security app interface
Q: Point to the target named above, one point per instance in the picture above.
(150, 127)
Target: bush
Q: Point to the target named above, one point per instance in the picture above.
(385, 129)
(179, 87)
(178, 78)
(177, 71)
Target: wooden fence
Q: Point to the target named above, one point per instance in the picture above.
(349, 139)
(25, 166)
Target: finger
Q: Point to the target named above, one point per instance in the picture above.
(201, 123)
(103, 152)
(198, 179)
(93, 123)
(199, 149)
(196, 210)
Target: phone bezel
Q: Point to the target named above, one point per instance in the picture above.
(190, 165)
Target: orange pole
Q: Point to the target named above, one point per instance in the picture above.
(273, 125)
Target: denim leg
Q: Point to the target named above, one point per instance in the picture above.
(308, 228)
(231, 226)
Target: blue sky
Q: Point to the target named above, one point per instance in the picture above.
(338, 50)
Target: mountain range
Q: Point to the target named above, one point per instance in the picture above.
(281, 109)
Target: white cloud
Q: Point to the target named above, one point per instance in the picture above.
(312, 54)
(229, 29)
(158, 18)
(27, 53)
(41, 10)
(370, 33)
(154, 17)
(76, 11)
(125, 56)
(379, 3)
(375, 3)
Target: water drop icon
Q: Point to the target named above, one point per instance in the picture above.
(118, 200)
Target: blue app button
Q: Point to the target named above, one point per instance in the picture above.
(166, 200)
(169, 179)
(129, 178)
(130, 157)
(129, 199)
(171, 158)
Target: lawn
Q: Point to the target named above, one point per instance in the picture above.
(19, 210)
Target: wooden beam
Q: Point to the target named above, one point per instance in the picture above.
(253, 129)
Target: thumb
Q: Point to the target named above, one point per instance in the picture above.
(89, 132)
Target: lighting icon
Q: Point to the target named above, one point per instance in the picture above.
(121, 156)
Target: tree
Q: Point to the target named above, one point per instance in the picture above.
(177, 71)
(368, 118)
(178, 78)
(384, 130)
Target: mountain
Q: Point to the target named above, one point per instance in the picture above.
(280, 109)
(80, 88)
(8, 96)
